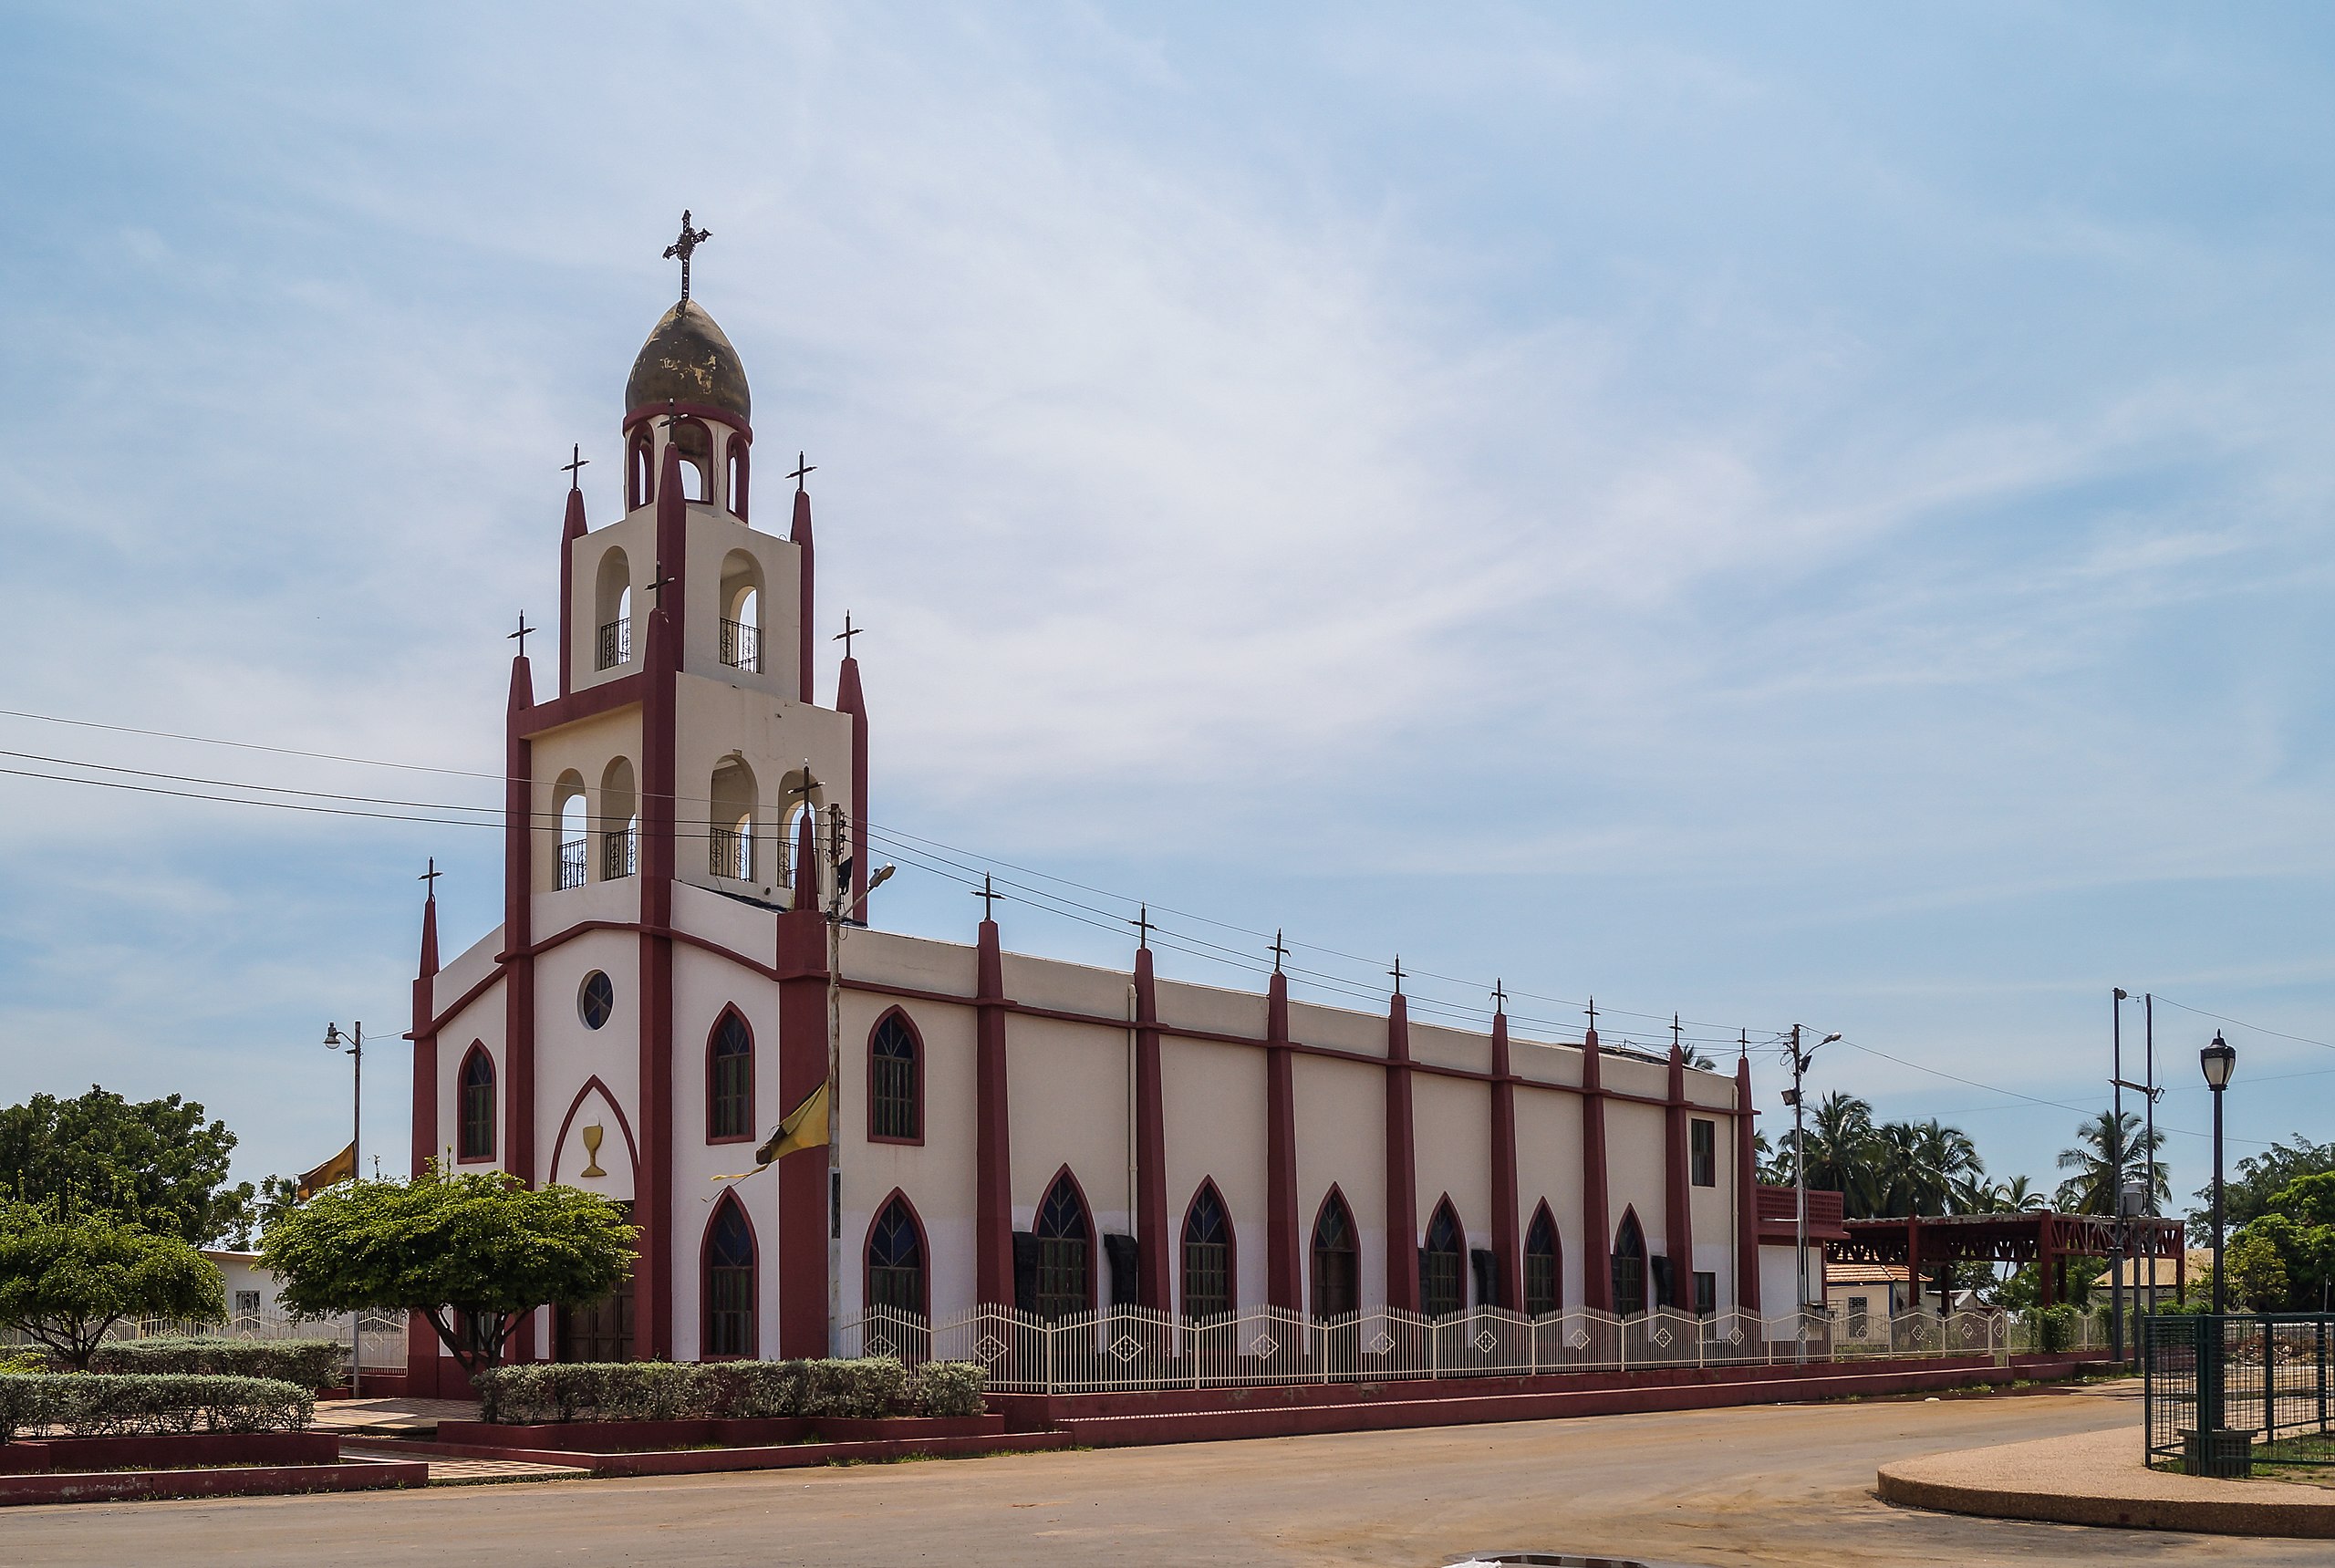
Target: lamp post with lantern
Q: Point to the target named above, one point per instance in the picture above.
(353, 1044)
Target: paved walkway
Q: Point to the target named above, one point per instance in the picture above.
(472, 1473)
(2100, 1478)
(395, 1417)
(1722, 1488)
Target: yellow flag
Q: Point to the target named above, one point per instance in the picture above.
(805, 1127)
(341, 1167)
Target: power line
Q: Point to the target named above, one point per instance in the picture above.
(2240, 1022)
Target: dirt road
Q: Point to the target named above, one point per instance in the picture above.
(1776, 1485)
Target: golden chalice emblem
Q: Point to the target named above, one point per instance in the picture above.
(591, 1137)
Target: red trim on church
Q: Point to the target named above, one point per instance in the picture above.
(1747, 1191)
(1152, 1287)
(992, 1130)
(1285, 1248)
(1596, 1210)
(1508, 1241)
(1677, 1198)
(1402, 1164)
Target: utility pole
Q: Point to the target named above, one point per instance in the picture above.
(2116, 1169)
(353, 1044)
(1800, 1060)
(835, 895)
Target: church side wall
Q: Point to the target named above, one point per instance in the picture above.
(1341, 1141)
(1213, 1104)
(1548, 1166)
(1454, 1118)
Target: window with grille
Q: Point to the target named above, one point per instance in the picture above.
(476, 1139)
(1208, 1257)
(1706, 1294)
(1702, 1152)
(730, 1285)
(892, 1098)
(1540, 1265)
(1629, 1268)
(729, 1073)
(896, 1261)
(1338, 1261)
(1441, 1288)
(1065, 1252)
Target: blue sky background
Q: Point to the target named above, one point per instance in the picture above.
(1810, 514)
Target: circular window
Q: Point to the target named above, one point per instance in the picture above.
(598, 1001)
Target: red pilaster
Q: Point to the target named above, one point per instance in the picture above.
(802, 1197)
(1747, 1194)
(850, 700)
(804, 621)
(1150, 1144)
(992, 1131)
(1913, 1266)
(2047, 1265)
(661, 1247)
(1284, 1249)
(572, 531)
(420, 1339)
(1677, 1206)
(1596, 1213)
(518, 931)
(1507, 1236)
(1402, 1165)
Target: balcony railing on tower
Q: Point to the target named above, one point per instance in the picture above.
(616, 643)
(741, 646)
(730, 852)
(571, 862)
(616, 854)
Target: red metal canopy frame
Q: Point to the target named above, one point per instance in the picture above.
(2040, 1237)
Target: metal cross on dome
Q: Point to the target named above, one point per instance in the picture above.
(684, 248)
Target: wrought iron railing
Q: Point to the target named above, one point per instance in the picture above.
(571, 862)
(2264, 1381)
(616, 643)
(1138, 1348)
(730, 852)
(384, 1337)
(741, 646)
(618, 850)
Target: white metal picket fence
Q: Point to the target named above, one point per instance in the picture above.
(384, 1340)
(1136, 1348)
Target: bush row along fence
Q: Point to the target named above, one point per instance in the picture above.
(1138, 1348)
(2265, 1377)
(869, 1386)
(90, 1405)
(384, 1341)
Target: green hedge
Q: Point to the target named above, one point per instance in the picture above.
(526, 1396)
(311, 1363)
(104, 1405)
(2055, 1329)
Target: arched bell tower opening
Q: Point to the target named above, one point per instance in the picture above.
(612, 607)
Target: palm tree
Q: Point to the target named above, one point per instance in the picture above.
(2098, 1175)
(2019, 1196)
(1839, 1134)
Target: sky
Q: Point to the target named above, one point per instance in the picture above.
(1781, 514)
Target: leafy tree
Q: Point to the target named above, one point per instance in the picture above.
(253, 1210)
(2106, 1157)
(2259, 1180)
(67, 1278)
(2299, 1229)
(2254, 1273)
(154, 1161)
(473, 1253)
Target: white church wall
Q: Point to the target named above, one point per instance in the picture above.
(480, 1023)
(1636, 1155)
(1341, 1116)
(719, 721)
(938, 1175)
(1066, 987)
(473, 964)
(705, 985)
(1547, 1166)
(636, 536)
(1362, 1033)
(1068, 1089)
(1451, 1145)
(917, 963)
(569, 1056)
(1450, 1047)
(1212, 1101)
(1212, 1009)
(713, 535)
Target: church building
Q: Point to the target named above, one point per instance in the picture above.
(688, 959)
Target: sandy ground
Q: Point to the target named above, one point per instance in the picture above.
(1771, 1485)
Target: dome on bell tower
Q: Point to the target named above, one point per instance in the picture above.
(688, 359)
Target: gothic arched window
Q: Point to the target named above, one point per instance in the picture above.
(729, 1292)
(895, 1082)
(729, 1079)
(1442, 1287)
(1208, 1256)
(475, 1139)
(1065, 1252)
(740, 470)
(1629, 1267)
(895, 1259)
(1540, 1265)
(1337, 1260)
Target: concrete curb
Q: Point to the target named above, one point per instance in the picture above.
(2098, 1479)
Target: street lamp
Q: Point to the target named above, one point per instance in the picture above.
(2218, 1060)
(1800, 1060)
(353, 1044)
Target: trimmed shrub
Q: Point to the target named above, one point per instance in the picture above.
(947, 1388)
(871, 1386)
(2055, 1329)
(311, 1363)
(104, 1405)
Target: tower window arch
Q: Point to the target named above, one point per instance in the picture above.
(741, 612)
(640, 468)
(729, 1080)
(1629, 1266)
(474, 1137)
(612, 611)
(1065, 1240)
(1337, 1260)
(730, 835)
(695, 443)
(740, 453)
(896, 1269)
(619, 822)
(1442, 1284)
(574, 842)
(730, 1285)
(894, 1081)
(1542, 1261)
(1208, 1256)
